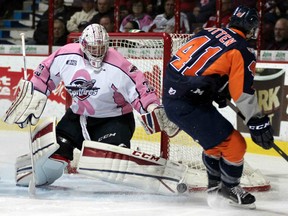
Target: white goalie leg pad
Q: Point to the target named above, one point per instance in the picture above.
(46, 169)
(130, 167)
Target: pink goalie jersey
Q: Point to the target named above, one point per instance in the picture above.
(113, 91)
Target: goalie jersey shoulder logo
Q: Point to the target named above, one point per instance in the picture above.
(71, 62)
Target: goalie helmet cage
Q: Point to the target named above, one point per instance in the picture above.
(151, 52)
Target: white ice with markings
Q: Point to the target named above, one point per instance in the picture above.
(76, 195)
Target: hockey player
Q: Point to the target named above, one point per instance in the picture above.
(105, 88)
(211, 66)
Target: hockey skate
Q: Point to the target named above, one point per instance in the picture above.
(213, 187)
(238, 197)
(213, 194)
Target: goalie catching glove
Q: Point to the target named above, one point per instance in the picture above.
(27, 107)
(261, 131)
(156, 120)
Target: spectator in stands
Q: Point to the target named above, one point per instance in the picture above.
(138, 14)
(282, 7)
(207, 9)
(60, 33)
(193, 18)
(126, 3)
(62, 12)
(86, 14)
(131, 25)
(158, 6)
(271, 11)
(226, 12)
(108, 23)
(151, 10)
(82, 25)
(123, 12)
(166, 22)
(267, 33)
(280, 35)
(104, 7)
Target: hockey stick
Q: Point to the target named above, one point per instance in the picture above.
(275, 147)
(32, 183)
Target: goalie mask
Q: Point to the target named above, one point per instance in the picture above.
(94, 42)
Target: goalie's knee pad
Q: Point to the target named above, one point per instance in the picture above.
(45, 173)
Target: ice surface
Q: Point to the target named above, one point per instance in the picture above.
(76, 195)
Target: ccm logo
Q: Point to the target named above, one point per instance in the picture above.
(146, 156)
(259, 127)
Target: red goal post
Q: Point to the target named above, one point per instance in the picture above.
(151, 52)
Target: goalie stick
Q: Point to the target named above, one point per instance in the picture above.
(275, 147)
(32, 183)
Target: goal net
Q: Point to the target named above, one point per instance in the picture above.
(150, 52)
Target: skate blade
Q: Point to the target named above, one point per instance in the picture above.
(243, 206)
(217, 201)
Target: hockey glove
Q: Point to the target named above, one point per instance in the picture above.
(261, 131)
(157, 120)
(27, 107)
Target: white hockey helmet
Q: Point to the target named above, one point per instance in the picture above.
(94, 42)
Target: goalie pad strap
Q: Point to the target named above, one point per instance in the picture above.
(130, 167)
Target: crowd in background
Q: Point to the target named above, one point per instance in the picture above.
(157, 16)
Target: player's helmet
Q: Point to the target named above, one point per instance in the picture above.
(245, 19)
(94, 42)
